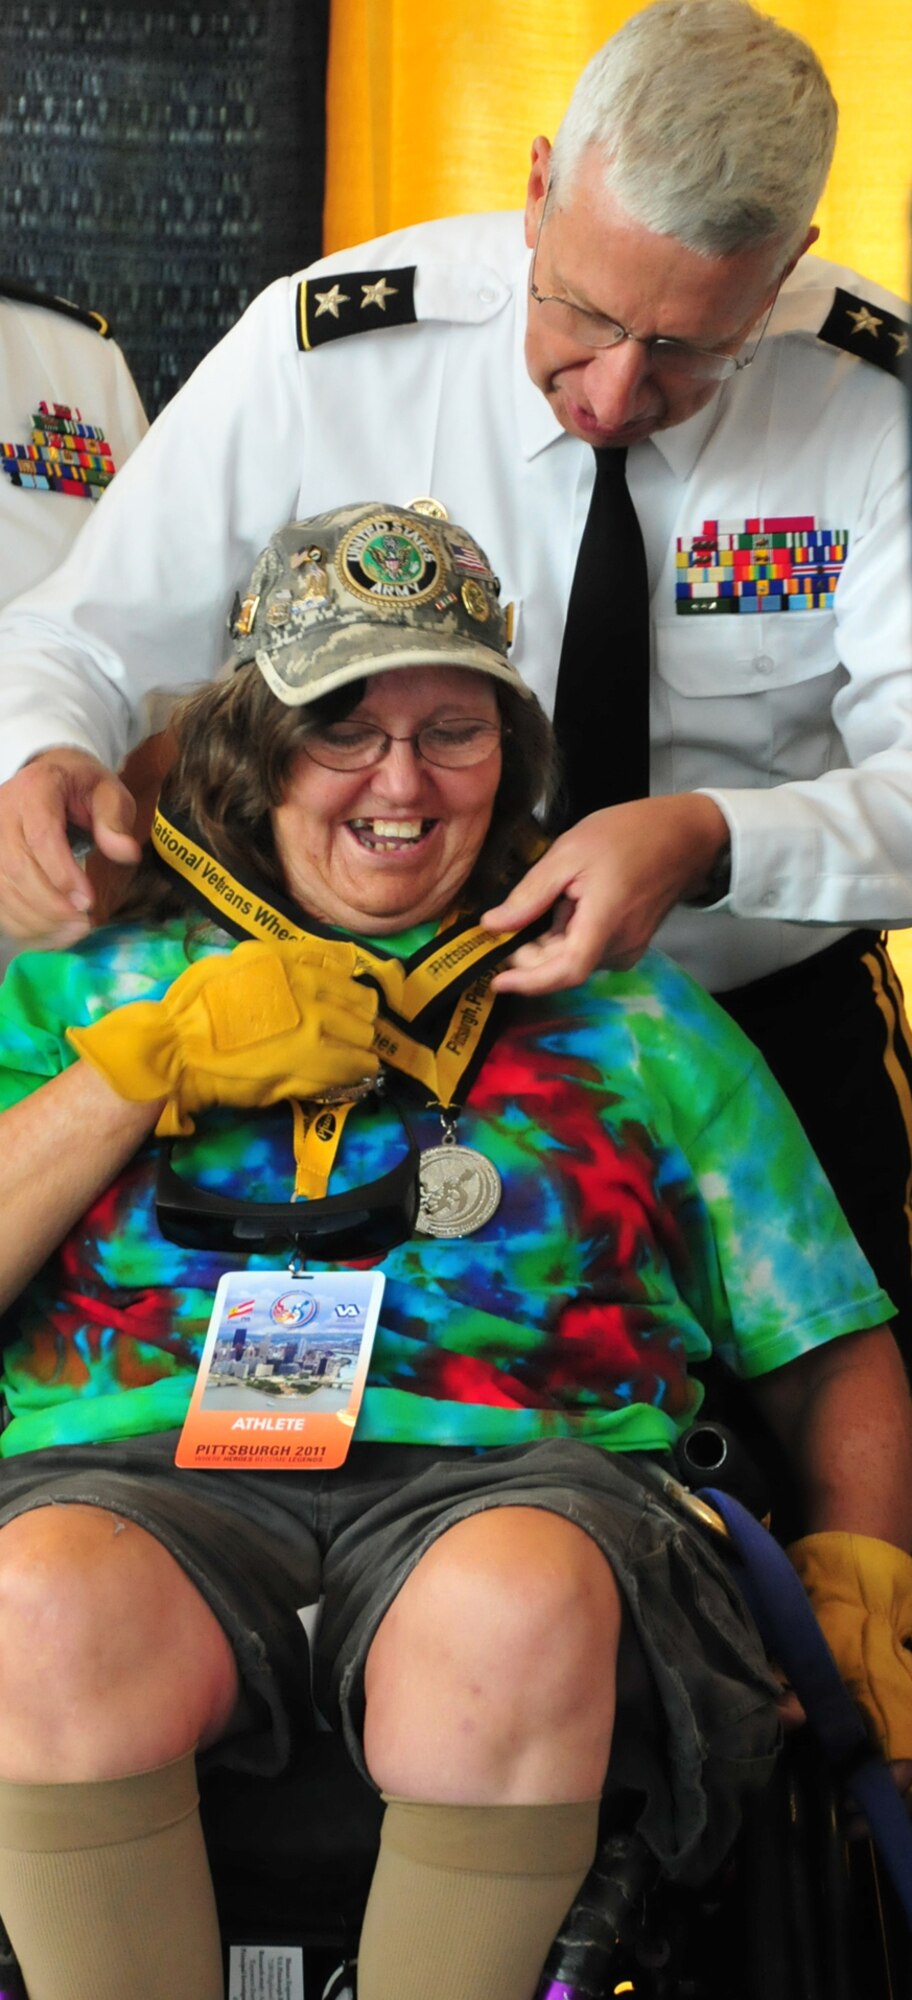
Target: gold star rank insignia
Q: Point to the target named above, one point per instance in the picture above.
(329, 302)
(377, 295)
(333, 304)
(868, 332)
(864, 321)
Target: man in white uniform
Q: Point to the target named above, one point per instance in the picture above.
(671, 219)
(69, 415)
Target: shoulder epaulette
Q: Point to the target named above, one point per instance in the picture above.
(866, 330)
(12, 288)
(343, 302)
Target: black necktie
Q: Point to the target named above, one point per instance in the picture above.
(601, 708)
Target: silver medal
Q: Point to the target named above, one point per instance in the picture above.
(460, 1191)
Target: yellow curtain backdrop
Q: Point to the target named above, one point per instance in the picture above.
(432, 108)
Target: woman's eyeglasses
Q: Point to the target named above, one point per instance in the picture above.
(356, 746)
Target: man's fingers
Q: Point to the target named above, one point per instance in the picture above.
(550, 973)
(566, 954)
(41, 882)
(76, 790)
(548, 941)
(112, 811)
(548, 964)
(623, 869)
(36, 856)
(39, 913)
(530, 898)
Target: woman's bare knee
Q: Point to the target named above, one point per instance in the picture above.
(110, 1659)
(492, 1675)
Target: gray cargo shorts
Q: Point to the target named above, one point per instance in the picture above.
(692, 1734)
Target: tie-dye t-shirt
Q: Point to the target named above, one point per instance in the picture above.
(659, 1201)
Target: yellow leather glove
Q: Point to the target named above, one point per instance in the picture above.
(266, 1022)
(861, 1591)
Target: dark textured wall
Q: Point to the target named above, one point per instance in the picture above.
(161, 162)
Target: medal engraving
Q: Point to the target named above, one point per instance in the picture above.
(460, 1191)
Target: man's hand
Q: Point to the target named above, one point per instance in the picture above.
(612, 878)
(42, 887)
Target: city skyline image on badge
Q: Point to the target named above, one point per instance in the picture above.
(291, 1353)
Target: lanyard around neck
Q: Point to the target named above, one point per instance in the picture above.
(435, 1023)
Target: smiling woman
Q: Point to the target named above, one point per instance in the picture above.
(570, 1201)
(380, 848)
(400, 767)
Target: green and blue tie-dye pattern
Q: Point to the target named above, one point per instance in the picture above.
(658, 1199)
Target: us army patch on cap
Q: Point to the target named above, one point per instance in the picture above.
(346, 302)
(867, 330)
(782, 563)
(387, 558)
(63, 455)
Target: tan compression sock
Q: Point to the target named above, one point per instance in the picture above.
(466, 1900)
(105, 1888)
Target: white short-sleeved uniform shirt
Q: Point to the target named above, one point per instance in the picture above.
(48, 357)
(798, 720)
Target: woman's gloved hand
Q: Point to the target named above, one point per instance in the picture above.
(861, 1591)
(266, 1022)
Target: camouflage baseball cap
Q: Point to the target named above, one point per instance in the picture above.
(363, 589)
